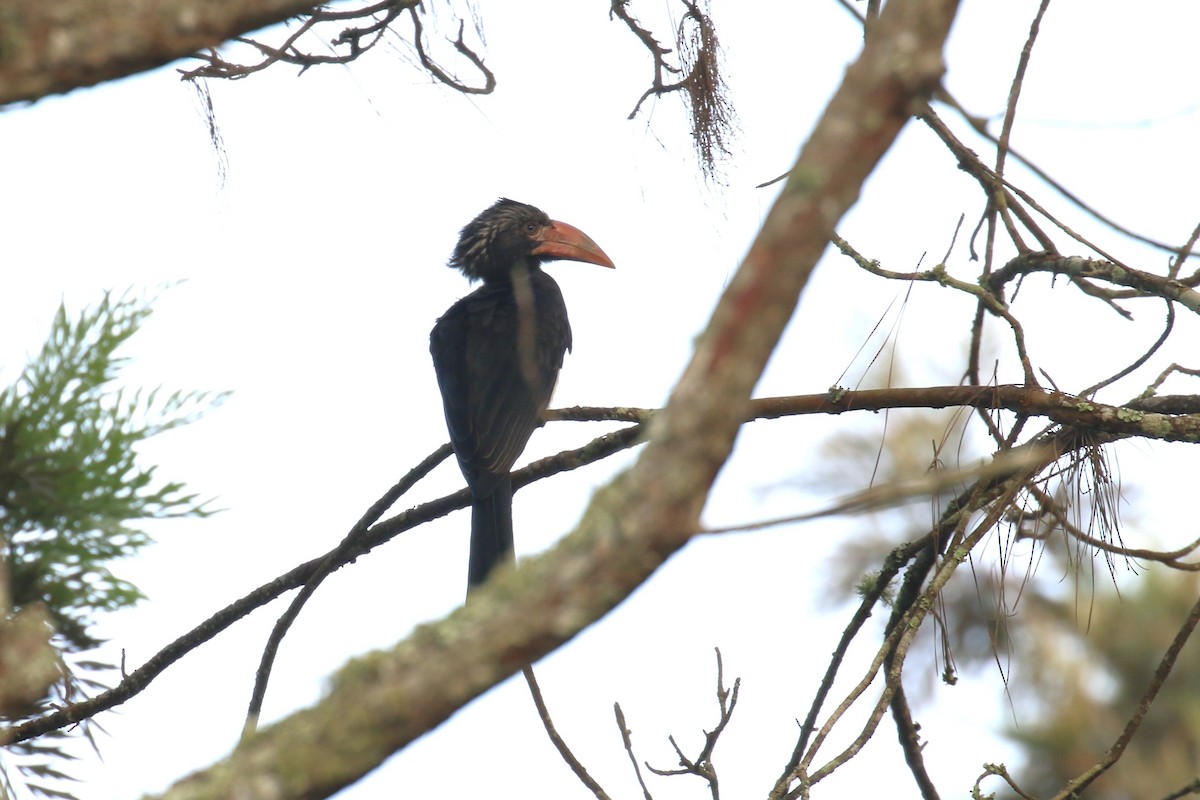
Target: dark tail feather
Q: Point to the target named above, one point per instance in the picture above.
(491, 532)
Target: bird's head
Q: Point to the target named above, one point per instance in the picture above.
(509, 234)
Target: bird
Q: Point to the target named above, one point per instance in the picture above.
(497, 353)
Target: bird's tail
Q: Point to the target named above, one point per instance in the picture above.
(491, 532)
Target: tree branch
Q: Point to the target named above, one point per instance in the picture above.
(381, 702)
(1074, 267)
(627, 739)
(702, 765)
(136, 681)
(332, 561)
(49, 48)
(1170, 418)
(556, 739)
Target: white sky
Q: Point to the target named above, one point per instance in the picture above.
(314, 274)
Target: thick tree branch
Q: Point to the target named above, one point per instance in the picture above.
(380, 703)
(52, 47)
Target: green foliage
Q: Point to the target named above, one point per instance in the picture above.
(71, 486)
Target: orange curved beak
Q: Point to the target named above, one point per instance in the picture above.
(562, 241)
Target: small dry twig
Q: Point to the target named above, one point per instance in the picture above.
(364, 28)
(702, 765)
(556, 739)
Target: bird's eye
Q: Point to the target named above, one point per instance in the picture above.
(531, 227)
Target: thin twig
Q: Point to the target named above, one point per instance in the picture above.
(702, 765)
(333, 560)
(1000, 771)
(1014, 92)
(559, 744)
(897, 642)
(1169, 558)
(1141, 359)
(375, 21)
(489, 79)
(896, 560)
(1184, 791)
(1184, 252)
(627, 738)
(1148, 401)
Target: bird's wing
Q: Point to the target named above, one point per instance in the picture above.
(448, 346)
(493, 398)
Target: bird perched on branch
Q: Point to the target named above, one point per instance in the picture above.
(497, 353)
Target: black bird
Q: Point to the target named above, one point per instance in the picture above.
(497, 353)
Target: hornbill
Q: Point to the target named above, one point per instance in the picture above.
(497, 353)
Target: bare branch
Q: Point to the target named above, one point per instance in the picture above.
(332, 561)
(709, 108)
(702, 765)
(979, 125)
(1146, 283)
(892, 565)
(372, 22)
(1169, 558)
(489, 80)
(73, 43)
(1184, 791)
(1001, 771)
(136, 681)
(907, 617)
(561, 746)
(1182, 424)
(518, 616)
(627, 738)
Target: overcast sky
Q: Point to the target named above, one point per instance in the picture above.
(307, 281)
